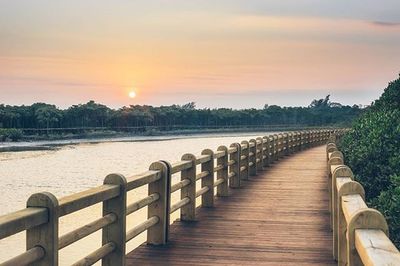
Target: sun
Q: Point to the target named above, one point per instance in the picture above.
(132, 94)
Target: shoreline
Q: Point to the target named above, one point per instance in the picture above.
(54, 144)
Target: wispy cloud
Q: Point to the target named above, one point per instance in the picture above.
(386, 24)
(58, 82)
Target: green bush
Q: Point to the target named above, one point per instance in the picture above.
(372, 151)
(12, 134)
(388, 202)
(2, 135)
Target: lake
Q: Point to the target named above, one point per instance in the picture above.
(76, 167)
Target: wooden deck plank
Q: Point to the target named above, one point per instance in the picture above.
(279, 217)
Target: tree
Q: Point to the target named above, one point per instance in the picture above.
(189, 106)
(47, 115)
(321, 103)
(91, 114)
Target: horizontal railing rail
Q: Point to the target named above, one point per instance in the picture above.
(360, 233)
(218, 171)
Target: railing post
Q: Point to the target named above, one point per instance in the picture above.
(312, 138)
(330, 147)
(300, 140)
(188, 212)
(259, 154)
(280, 146)
(115, 232)
(244, 175)
(292, 142)
(253, 159)
(315, 137)
(322, 137)
(158, 234)
(298, 147)
(319, 136)
(266, 151)
(349, 188)
(271, 156)
(287, 143)
(340, 172)
(207, 199)
(275, 147)
(222, 189)
(331, 162)
(363, 219)
(44, 235)
(235, 181)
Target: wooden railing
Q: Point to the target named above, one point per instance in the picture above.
(360, 234)
(231, 164)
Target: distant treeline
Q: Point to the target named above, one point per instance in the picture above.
(41, 115)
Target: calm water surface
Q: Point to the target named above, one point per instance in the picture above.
(75, 168)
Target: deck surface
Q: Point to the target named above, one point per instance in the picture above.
(279, 217)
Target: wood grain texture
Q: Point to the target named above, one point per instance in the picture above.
(279, 217)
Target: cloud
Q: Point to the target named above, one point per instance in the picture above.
(386, 24)
(58, 82)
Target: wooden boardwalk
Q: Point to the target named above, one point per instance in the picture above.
(279, 217)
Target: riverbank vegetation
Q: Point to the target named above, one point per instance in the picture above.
(46, 119)
(372, 150)
(12, 134)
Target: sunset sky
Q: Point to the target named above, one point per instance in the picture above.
(224, 53)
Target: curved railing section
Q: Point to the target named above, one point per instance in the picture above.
(219, 170)
(360, 233)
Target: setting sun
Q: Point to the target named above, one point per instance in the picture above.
(132, 94)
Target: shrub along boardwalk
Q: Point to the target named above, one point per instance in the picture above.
(279, 217)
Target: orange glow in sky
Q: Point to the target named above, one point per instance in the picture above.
(227, 54)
